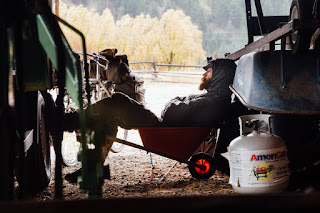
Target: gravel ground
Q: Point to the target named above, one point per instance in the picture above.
(136, 173)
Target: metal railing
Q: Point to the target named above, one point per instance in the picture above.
(155, 72)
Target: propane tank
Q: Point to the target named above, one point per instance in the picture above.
(258, 162)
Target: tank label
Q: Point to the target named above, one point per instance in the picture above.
(276, 155)
(259, 168)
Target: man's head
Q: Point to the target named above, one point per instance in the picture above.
(206, 77)
(218, 77)
(205, 80)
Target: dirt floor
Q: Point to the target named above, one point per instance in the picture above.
(137, 173)
(134, 175)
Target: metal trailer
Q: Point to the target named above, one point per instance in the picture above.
(275, 28)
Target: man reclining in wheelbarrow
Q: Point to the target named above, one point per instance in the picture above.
(207, 109)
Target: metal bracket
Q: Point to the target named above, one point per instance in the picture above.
(282, 67)
(318, 68)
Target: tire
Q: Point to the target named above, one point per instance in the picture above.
(37, 169)
(300, 39)
(44, 142)
(70, 149)
(202, 159)
(7, 153)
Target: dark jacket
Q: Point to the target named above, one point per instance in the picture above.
(207, 109)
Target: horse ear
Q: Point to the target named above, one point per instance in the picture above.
(123, 69)
(125, 60)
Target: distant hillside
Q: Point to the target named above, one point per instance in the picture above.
(222, 22)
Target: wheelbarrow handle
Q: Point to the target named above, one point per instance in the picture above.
(112, 138)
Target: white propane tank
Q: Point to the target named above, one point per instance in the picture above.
(258, 162)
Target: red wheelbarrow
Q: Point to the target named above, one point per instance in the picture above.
(182, 144)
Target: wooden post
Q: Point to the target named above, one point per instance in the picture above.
(154, 74)
(57, 7)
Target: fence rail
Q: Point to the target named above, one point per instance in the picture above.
(155, 64)
(185, 76)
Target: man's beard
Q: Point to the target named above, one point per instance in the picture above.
(204, 83)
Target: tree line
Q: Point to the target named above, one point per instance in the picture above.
(171, 39)
(222, 23)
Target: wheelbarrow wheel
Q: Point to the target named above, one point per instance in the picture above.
(300, 39)
(206, 163)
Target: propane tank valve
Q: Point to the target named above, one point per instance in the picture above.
(255, 124)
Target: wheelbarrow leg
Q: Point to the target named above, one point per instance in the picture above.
(164, 177)
(57, 139)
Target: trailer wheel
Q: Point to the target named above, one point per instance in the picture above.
(207, 166)
(300, 39)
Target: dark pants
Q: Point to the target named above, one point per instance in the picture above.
(125, 112)
(109, 113)
(118, 110)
